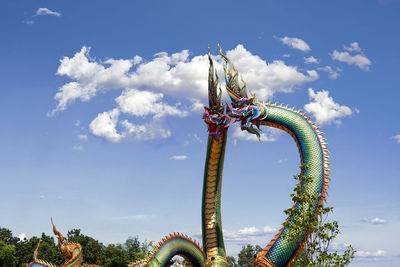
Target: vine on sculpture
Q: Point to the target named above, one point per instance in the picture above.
(252, 114)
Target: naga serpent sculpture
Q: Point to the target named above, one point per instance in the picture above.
(251, 114)
(72, 253)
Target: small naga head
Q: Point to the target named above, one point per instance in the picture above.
(214, 116)
(245, 109)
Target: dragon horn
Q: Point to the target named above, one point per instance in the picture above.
(235, 92)
(56, 232)
(36, 250)
(214, 95)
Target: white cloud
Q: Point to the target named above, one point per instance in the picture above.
(83, 137)
(269, 134)
(269, 229)
(175, 75)
(104, 125)
(45, 11)
(79, 148)
(311, 60)
(248, 233)
(137, 59)
(368, 254)
(280, 161)
(397, 138)
(333, 74)
(295, 43)
(267, 79)
(375, 220)
(42, 197)
(152, 130)
(354, 47)
(324, 109)
(145, 83)
(142, 103)
(360, 60)
(197, 106)
(22, 236)
(179, 157)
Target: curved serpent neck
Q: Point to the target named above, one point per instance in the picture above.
(313, 153)
(213, 243)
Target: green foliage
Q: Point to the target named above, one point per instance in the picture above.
(23, 249)
(7, 236)
(115, 256)
(247, 254)
(7, 255)
(93, 250)
(48, 249)
(231, 261)
(16, 253)
(321, 231)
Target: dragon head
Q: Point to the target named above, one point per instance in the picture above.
(214, 116)
(245, 109)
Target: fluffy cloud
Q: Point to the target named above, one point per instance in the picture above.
(324, 109)
(333, 74)
(104, 125)
(360, 60)
(42, 11)
(375, 220)
(267, 79)
(353, 47)
(248, 233)
(269, 134)
(83, 137)
(152, 130)
(295, 43)
(369, 254)
(145, 83)
(311, 60)
(397, 138)
(22, 236)
(142, 103)
(175, 75)
(179, 157)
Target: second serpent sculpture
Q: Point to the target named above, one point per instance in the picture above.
(251, 114)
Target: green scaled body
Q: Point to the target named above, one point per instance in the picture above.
(313, 153)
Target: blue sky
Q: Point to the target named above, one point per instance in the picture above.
(102, 104)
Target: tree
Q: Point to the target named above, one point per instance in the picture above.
(136, 250)
(115, 256)
(247, 254)
(7, 255)
(92, 249)
(7, 236)
(231, 261)
(321, 231)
